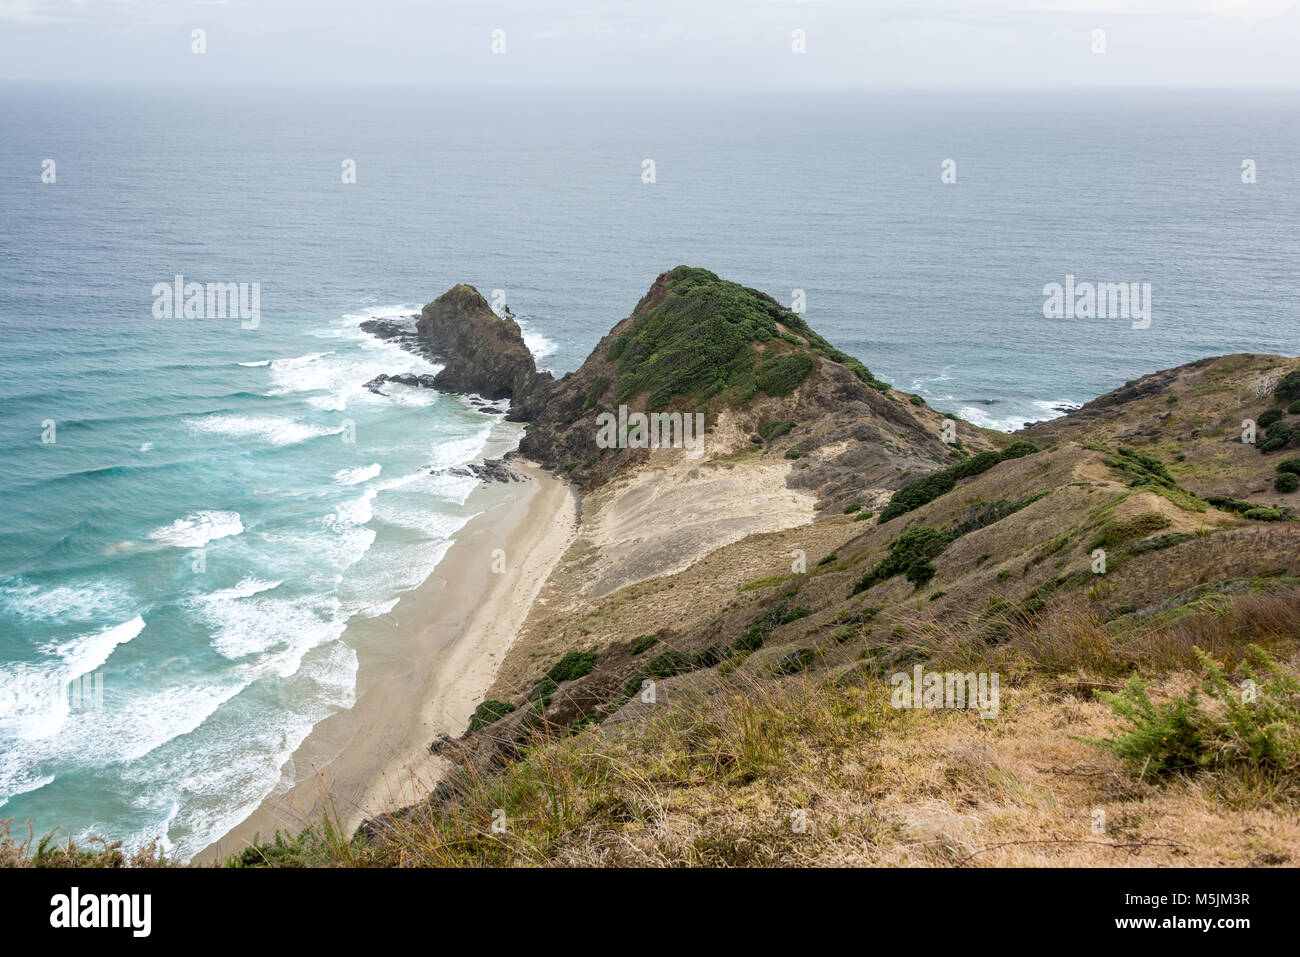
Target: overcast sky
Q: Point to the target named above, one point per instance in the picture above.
(649, 43)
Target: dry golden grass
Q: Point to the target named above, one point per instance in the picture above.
(722, 774)
(1070, 636)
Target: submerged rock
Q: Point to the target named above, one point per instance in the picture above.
(489, 470)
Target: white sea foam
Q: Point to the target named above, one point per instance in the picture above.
(85, 653)
(198, 528)
(358, 475)
(356, 511)
(245, 589)
(340, 375)
(81, 601)
(248, 626)
(1043, 409)
(460, 450)
(539, 345)
(231, 776)
(256, 365)
(270, 429)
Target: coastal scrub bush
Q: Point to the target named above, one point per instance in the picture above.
(1139, 526)
(1288, 387)
(909, 555)
(1287, 482)
(1277, 436)
(1269, 416)
(796, 662)
(574, 665)
(1294, 407)
(697, 341)
(597, 390)
(1253, 737)
(668, 664)
(1141, 469)
(65, 853)
(1289, 465)
(753, 637)
(772, 429)
(781, 375)
(489, 712)
(923, 491)
(644, 643)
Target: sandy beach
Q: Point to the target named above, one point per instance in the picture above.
(424, 667)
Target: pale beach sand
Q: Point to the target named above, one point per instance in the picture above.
(424, 667)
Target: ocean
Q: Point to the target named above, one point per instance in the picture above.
(195, 510)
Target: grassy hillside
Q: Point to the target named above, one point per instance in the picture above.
(1130, 573)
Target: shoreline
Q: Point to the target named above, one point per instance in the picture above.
(453, 633)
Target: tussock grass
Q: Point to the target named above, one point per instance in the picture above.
(1070, 636)
(50, 852)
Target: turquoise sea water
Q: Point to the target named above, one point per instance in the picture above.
(199, 533)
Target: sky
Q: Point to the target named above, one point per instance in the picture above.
(655, 43)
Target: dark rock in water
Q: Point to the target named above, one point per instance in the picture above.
(403, 378)
(483, 354)
(401, 330)
(490, 470)
(498, 470)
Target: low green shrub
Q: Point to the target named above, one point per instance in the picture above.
(1183, 736)
(489, 712)
(1288, 387)
(772, 429)
(796, 662)
(923, 491)
(781, 375)
(644, 643)
(1139, 526)
(574, 665)
(1269, 416)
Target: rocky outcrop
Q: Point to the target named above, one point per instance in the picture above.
(489, 470)
(483, 354)
(696, 345)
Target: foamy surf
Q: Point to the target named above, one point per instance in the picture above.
(358, 475)
(271, 430)
(82, 655)
(198, 528)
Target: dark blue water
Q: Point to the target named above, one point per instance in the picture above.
(180, 441)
